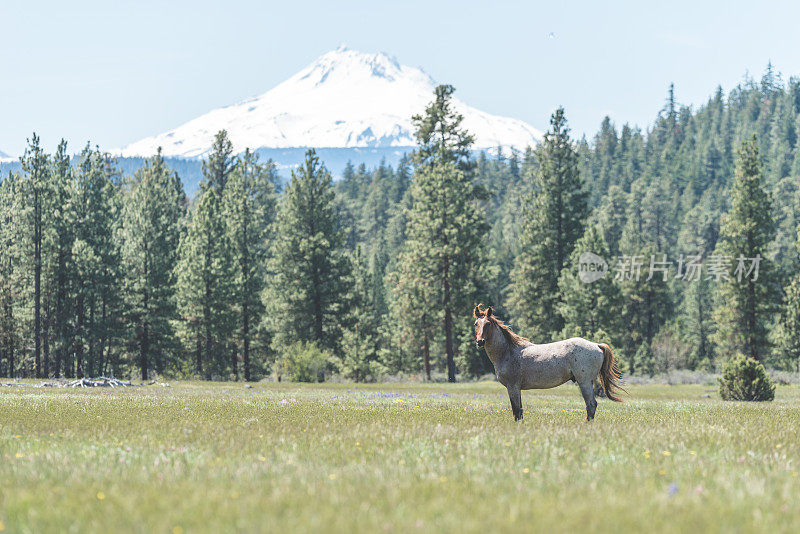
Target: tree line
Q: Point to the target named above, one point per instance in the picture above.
(376, 274)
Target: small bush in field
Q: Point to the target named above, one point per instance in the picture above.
(745, 379)
(302, 362)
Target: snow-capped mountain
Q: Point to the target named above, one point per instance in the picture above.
(345, 99)
(5, 157)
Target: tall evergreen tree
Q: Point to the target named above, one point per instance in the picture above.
(219, 165)
(646, 298)
(94, 264)
(788, 331)
(413, 324)
(250, 210)
(445, 228)
(611, 217)
(306, 297)
(553, 216)
(63, 236)
(35, 163)
(444, 251)
(745, 305)
(206, 268)
(362, 338)
(696, 322)
(440, 137)
(12, 277)
(589, 307)
(153, 210)
(205, 273)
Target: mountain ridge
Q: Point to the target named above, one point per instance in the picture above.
(344, 99)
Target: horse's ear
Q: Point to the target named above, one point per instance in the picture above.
(477, 311)
(489, 311)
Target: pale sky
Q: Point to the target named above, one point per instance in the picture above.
(113, 72)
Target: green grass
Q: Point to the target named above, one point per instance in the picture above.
(219, 458)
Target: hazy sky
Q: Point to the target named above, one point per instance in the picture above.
(114, 71)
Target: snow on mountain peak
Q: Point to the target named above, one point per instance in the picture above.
(344, 99)
(344, 62)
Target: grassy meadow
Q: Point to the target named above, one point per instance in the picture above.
(200, 457)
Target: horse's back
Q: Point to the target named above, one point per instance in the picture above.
(551, 364)
(564, 347)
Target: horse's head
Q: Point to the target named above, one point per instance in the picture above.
(483, 326)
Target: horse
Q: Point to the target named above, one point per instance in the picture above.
(520, 364)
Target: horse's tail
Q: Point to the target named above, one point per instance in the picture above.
(610, 375)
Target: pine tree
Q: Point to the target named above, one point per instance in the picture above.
(94, 265)
(589, 306)
(444, 252)
(604, 164)
(63, 237)
(788, 331)
(35, 163)
(611, 217)
(205, 285)
(444, 229)
(646, 301)
(696, 322)
(553, 217)
(250, 210)
(153, 210)
(219, 165)
(307, 293)
(657, 214)
(362, 337)
(412, 325)
(440, 137)
(744, 305)
(12, 275)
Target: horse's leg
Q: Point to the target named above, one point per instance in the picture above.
(515, 395)
(587, 390)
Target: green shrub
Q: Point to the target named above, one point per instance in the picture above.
(302, 362)
(745, 379)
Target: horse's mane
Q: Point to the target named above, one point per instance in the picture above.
(511, 337)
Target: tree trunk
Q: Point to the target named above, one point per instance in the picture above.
(37, 283)
(317, 305)
(207, 329)
(199, 351)
(245, 301)
(234, 362)
(10, 355)
(78, 345)
(60, 323)
(104, 340)
(751, 321)
(426, 351)
(448, 324)
(144, 349)
(46, 344)
(246, 340)
(90, 333)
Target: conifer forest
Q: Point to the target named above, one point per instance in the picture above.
(300, 275)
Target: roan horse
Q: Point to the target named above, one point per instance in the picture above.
(520, 364)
